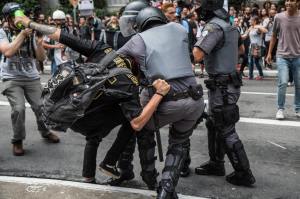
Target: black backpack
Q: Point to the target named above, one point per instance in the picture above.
(72, 89)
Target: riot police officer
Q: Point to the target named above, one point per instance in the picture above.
(161, 50)
(218, 45)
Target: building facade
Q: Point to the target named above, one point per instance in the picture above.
(116, 4)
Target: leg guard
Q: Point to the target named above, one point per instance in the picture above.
(185, 170)
(215, 146)
(215, 166)
(146, 147)
(182, 138)
(238, 157)
(239, 160)
(174, 161)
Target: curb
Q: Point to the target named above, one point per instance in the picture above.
(95, 187)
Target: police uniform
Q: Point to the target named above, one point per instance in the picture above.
(220, 41)
(162, 52)
(106, 112)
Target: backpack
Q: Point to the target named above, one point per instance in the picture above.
(71, 90)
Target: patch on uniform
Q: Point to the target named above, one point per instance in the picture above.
(209, 28)
(204, 33)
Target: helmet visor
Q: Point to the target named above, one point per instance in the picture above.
(127, 25)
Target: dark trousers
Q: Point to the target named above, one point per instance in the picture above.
(97, 125)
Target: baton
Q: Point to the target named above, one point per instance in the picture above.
(157, 132)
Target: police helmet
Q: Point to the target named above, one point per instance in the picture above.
(128, 19)
(149, 15)
(58, 14)
(212, 5)
(9, 8)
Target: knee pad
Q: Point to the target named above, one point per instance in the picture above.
(225, 115)
(231, 114)
(180, 137)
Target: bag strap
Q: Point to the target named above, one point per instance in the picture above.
(108, 58)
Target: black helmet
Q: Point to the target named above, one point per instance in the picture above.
(148, 15)
(134, 7)
(212, 5)
(9, 8)
(128, 19)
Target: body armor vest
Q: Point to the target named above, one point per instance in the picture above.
(223, 60)
(167, 52)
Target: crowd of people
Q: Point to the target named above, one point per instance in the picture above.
(159, 44)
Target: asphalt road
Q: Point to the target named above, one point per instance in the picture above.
(273, 148)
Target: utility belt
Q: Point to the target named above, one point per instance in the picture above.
(222, 81)
(195, 92)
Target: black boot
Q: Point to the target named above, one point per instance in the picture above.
(245, 178)
(242, 176)
(211, 168)
(165, 191)
(150, 178)
(185, 170)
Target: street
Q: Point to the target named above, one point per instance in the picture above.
(273, 148)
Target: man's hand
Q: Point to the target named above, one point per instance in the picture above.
(24, 20)
(27, 32)
(59, 45)
(161, 86)
(198, 54)
(269, 59)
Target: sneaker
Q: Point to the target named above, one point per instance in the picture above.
(259, 78)
(51, 137)
(91, 180)
(125, 176)
(279, 114)
(290, 84)
(18, 149)
(110, 170)
(297, 114)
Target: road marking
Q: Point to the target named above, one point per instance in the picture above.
(242, 119)
(6, 103)
(261, 93)
(276, 144)
(97, 187)
(269, 122)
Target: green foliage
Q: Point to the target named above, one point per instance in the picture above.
(100, 4)
(27, 4)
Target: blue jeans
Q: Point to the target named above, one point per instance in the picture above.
(257, 64)
(53, 67)
(283, 67)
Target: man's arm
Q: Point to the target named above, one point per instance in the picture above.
(162, 88)
(209, 39)
(9, 49)
(84, 47)
(39, 50)
(271, 47)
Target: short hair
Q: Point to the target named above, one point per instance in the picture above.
(165, 6)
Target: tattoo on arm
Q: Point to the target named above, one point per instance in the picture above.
(44, 29)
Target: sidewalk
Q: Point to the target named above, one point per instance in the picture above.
(34, 188)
